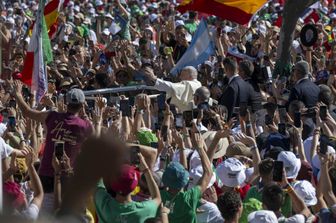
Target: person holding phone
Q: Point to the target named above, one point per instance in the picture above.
(68, 127)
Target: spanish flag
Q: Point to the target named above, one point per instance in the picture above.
(50, 15)
(239, 11)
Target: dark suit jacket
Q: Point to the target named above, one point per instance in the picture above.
(305, 91)
(234, 94)
(255, 97)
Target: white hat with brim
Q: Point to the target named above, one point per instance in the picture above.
(262, 216)
(231, 172)
(222, 145)
(196, 174)
(292, 164)
(306, 192)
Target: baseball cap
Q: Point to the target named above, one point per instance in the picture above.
(79, 16)
(231, 172)
(13, 195)
(292, 164)
(196, 174)
(179, 23)
(238, 148)
(262, 216)
(75, 96)
(17, 76)
(127, 181)
(175, 176)
(306, 192)
(221, 146)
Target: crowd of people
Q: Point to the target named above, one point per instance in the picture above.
(221, 142)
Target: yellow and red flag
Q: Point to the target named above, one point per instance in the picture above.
(239, 11)
(50, 15)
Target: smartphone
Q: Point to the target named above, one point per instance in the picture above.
(323, 112)
(12, 103)
(161, 100)
(172, 108)
(91, 104)
(324, 141)
(179, 121)
(195, 113)
(160, 120)
(282, 128)
(268, 119)
(11, 122)
(154, 145)
(131, 100)
(164, 133)
(235, 111)
(283, 115)
(125, 108)
(243, 109)
(277, 171)
(134, 157)
(59, 150)
(188, 117)
(297, 119)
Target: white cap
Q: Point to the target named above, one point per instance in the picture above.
(196, 174)
(231, 172)
(153, 16)
(332, 15)
(306, 192)
(108, 15)
(179, 23)
(316, 160)
(99, 3)
(292, 164)
(10, 20)
(77, 8)
(262, 216)
(106, 31)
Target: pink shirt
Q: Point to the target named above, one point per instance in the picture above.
(64, 127)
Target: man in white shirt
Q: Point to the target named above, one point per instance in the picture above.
(181, 93)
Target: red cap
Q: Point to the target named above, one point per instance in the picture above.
(13, 194)
(17, 76)
(127, 181)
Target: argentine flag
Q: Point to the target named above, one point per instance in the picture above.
(200, 49)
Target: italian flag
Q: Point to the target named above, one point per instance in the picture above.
(39, 53)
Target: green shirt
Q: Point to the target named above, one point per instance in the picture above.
(183, 205)
(191, 27)
(255, 192)
(110, 211)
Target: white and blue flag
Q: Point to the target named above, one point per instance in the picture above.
(201, 48)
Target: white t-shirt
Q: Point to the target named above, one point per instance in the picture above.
(307, 148)
(31, 213)
(208, 212)
(5, 149)
(298, 218)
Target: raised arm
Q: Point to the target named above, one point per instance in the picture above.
(207, 171)
(26, 110)
(152, 187)
(298, 204)
(325, 184)
(34, 178)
